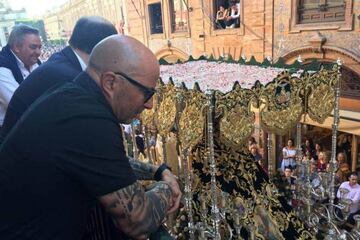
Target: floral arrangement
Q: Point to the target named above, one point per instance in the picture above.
(217, 75)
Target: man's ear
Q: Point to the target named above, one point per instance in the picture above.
(107, 81)
(16, 48)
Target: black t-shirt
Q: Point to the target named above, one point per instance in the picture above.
(65, 151)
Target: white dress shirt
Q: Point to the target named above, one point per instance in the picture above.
(233, 13)
(8, 85)
(354, 195)
(82, 63)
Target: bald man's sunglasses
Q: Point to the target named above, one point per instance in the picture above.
(148, 92)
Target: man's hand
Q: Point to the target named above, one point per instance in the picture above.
(171, 179)
(136, 212)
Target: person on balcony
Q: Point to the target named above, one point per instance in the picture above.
(221, 16)
(233, 20)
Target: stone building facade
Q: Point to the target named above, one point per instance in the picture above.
(72, 10)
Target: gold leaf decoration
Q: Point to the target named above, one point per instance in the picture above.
(147, 117)
(283, 106)
(280, 121)
(237, 125)
(166, 112)
(192, 120)
(321, 103)
(321, 99)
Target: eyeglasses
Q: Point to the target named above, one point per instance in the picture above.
(148, 92)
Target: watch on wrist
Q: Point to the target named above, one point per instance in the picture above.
(159, 171)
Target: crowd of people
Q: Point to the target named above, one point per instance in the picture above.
(49, 49)
(64, 172)
(316, 158)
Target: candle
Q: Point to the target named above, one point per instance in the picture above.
(202, 234)
(223, 201)
(237, 219)
(203, 203)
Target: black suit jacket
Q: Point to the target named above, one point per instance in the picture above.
(61, 67)
(8, 60)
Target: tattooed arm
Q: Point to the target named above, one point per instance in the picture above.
(138, 213)
(144, 171)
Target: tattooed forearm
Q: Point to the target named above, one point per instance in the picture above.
(138, 212)
(158, 202)
(144, 171)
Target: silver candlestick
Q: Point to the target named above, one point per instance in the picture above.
(187, 179)
(335, 127)
(214, 205)
(269, 149)
(135, 152)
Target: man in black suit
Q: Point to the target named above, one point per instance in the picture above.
(62, 67)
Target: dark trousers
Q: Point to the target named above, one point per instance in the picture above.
(221, 23)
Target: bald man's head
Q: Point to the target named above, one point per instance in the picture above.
(122, 53)
(127, 73)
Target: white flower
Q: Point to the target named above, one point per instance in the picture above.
(217, 75)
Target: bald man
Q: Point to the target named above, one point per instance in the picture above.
(66, 153)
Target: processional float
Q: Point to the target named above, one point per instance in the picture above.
(226, 194)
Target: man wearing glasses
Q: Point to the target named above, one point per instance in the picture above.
(74, 154)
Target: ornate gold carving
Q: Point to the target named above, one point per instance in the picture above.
(321, 103)
(237, 123)
(191, 122)
(147, 117)
(282, 106)
(321, 98)
(166, 112)
(280, 121)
